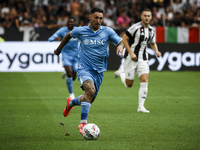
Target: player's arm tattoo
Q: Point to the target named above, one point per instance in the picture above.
(90, 91)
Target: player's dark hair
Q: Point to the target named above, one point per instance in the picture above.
(72, 18)
(96, 10)
(146, 9)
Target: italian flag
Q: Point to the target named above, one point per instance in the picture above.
(177, 35)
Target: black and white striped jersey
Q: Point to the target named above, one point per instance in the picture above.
(139, 37)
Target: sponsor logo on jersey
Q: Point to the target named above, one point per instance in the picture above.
(94, 42)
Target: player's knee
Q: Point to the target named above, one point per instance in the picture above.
(129, 84)
(74, 78)
(69, 74)
(74, 75)
(91, 95)
(93, 100)
(144, 80)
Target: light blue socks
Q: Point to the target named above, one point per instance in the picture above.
(69, 82)
(85, 108)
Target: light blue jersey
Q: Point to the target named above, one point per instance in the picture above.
(94, 51)
(70, 50)
(94, 46)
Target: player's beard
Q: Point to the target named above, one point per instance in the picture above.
(96, 26)
(70, 27)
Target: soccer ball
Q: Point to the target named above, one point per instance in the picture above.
(91, 131)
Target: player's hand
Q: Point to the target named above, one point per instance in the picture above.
(133, 57)
(119, 49)
(158, 54)
(56, 52)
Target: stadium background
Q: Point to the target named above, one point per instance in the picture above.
(176, 24)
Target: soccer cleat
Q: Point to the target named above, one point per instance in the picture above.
(63, 75)
(143, 110)
(67, 109)
(117, 73)
(80, 127)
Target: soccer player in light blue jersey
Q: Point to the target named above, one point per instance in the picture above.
(69, 54)
(94, 51)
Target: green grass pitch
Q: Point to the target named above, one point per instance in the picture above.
(31, 106)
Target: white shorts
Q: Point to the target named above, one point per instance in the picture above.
(132, 67)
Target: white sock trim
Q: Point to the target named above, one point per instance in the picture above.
(82, 121)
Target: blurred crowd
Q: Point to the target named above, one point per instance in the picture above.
(118, 13)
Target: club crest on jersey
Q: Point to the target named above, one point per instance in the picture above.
(103, 34)
(86, 42)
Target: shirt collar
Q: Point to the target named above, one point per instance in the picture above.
(93, 30)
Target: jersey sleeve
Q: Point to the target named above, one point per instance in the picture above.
(114, 37)
(130, 31)
(55, 35)
(153, 38)
(75, 32)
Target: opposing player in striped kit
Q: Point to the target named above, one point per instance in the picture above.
(135, 41)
